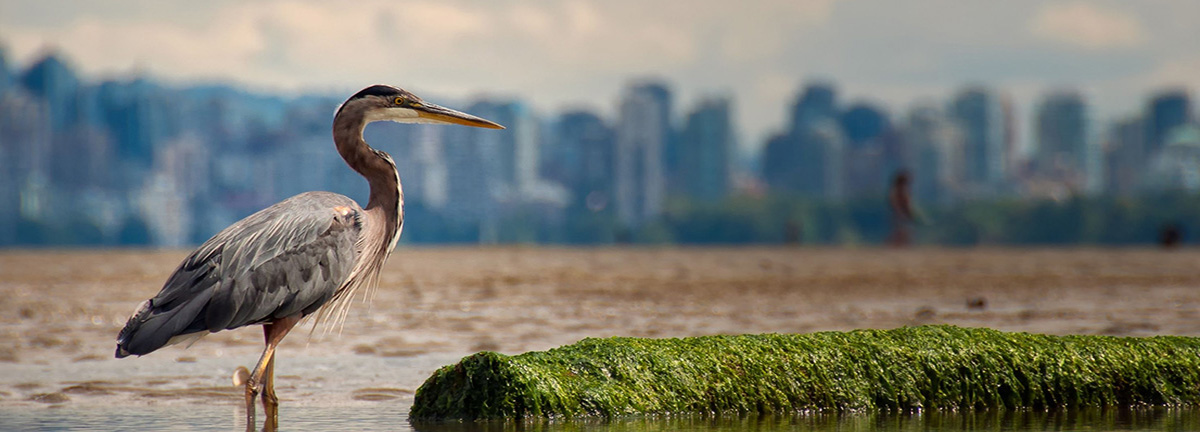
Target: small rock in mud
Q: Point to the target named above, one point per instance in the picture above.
(364, 349)
(379, 394)
(240, 376)
(926, 313)
(50, 398)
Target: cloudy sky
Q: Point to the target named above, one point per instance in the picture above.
(579, 53)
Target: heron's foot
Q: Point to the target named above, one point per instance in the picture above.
(271, 408)
(251, 394)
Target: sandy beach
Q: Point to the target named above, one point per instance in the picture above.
(60, 312)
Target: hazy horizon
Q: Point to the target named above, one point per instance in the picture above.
(560, 55)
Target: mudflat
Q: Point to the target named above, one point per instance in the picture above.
(60, 311)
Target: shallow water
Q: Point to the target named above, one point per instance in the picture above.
(309, 418)
(60, 313)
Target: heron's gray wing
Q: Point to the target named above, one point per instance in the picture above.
(287, 259)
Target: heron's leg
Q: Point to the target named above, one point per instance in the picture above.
(274, 334)
(268, 381)
(269, 400)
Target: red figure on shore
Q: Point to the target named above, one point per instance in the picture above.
(900, 201)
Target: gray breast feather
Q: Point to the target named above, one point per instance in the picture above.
(287, 259)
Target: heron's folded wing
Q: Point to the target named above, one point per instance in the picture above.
(287, 259)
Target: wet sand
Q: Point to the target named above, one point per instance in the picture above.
(60, 312)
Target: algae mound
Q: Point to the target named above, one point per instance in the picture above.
(929, 367)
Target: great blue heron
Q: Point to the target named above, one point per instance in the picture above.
(308, 254)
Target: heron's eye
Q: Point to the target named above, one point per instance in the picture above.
(398, 101)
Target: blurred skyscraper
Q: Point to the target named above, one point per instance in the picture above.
(133, 161)
(25, 136)
(821, 137)
(871, 152)
(1176, 166)
(818, 102)
(1167, 110)
(809, 159)
(823, 160)
(780, 162)
(934, 155)
(52, 81)
(137, 113)
(984, 121)
(494, 173)
(517, 147)
(863, 124)
(1125, 157)
(476, 183)
(643, 132)
(419, 153)
(6, 73)
(582, 159)
(1063, 153)
(707, 147)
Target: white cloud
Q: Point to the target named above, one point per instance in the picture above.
(1087, 26)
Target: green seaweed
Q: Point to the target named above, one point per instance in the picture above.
(904, 369)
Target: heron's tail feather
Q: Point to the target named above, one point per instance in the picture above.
(152, 326)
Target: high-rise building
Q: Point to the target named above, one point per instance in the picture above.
(817, 102)
(1063, 153)
(707, 147)
(871, 150)
(933, 155)
(664, 101)
(490, 172)
(475, 184)
(582, 159)
(1125, 157)
(981, 115)
(864, 124)
(517, 147)
(53, 81)
(780, 163)
(1176, 166)
(822, 160)
(80, 159)
(25, 136)
(420, 159)
(6, 73)
(1166, 111)
(643, 130)
(809, 159)
(136, 113)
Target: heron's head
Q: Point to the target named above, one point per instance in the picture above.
(384, 102)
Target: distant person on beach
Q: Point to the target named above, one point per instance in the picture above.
(1170, 235)
(900, 202)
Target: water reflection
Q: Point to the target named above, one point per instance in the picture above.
(1141, 419)
(203, 417)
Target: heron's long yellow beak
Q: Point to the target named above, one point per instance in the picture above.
(439, 114)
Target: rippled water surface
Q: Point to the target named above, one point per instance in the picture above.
(214, 418)
(60, 313)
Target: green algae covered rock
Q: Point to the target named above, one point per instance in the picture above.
(929, 367)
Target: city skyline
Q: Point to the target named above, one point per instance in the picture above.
(137, 159)
(560, 55)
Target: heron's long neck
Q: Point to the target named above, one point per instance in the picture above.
(386, 199)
